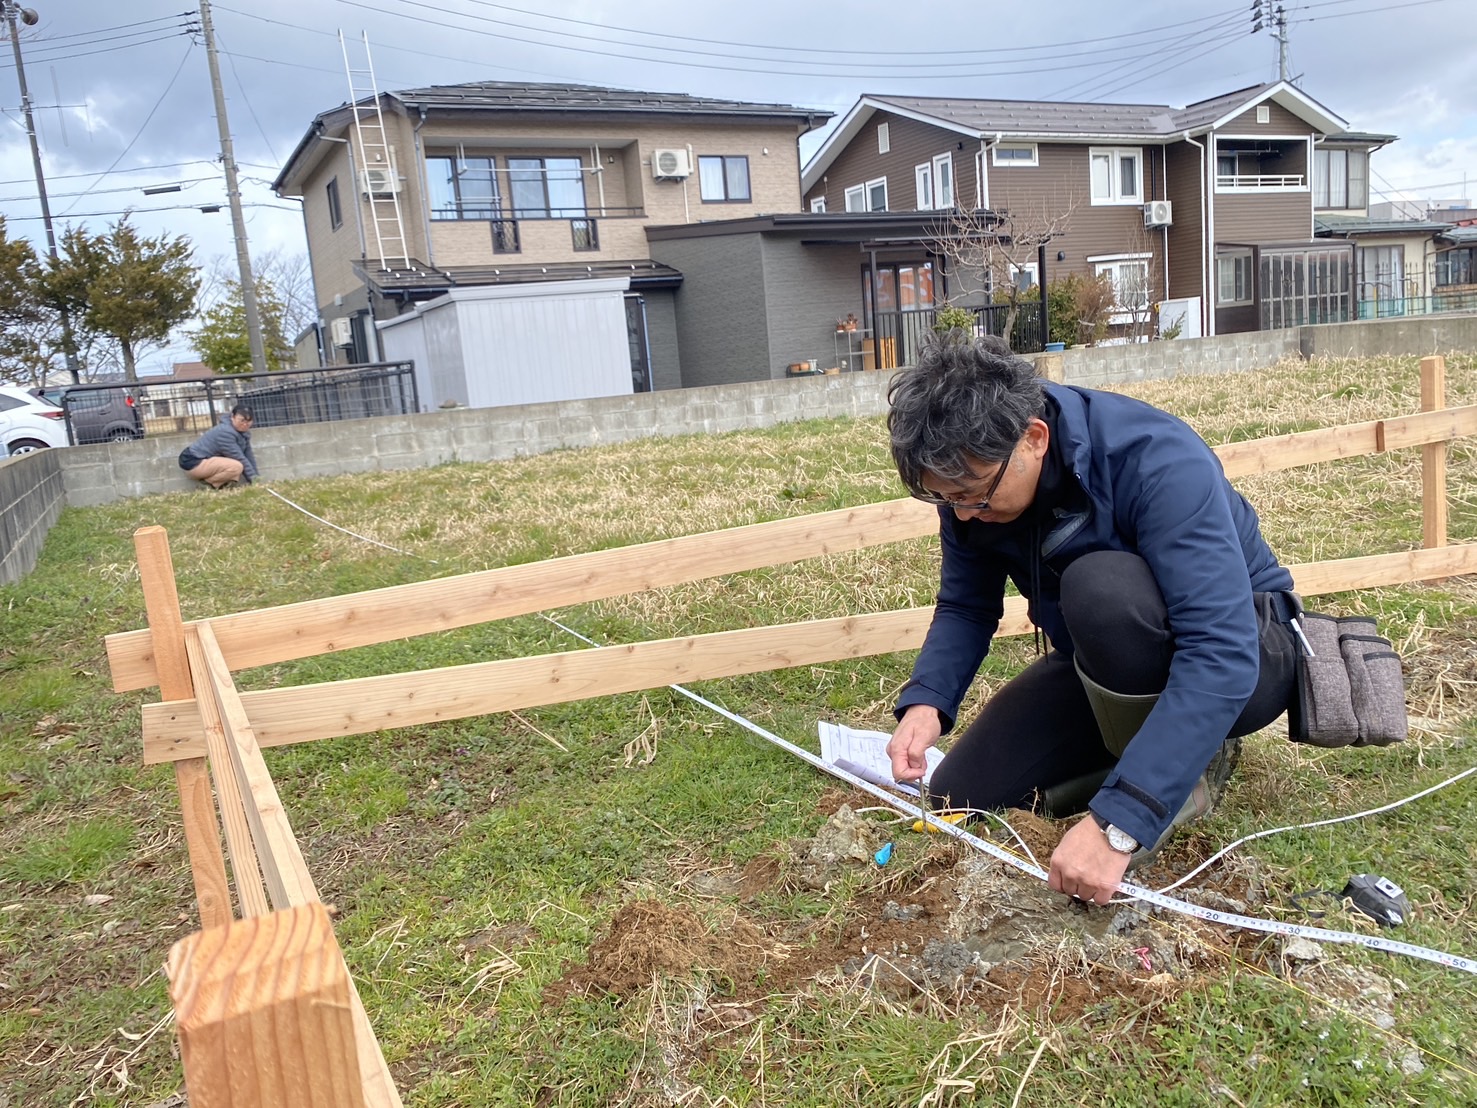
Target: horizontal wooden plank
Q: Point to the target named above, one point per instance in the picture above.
(1424, 428)
(382, 615)
(1302, 448)
(280, 716)
(367, 704)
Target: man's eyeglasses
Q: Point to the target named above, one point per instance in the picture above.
(981, 505)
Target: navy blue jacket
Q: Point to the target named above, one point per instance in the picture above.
(1149, 485)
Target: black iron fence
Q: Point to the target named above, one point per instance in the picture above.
(276, 399)
(899, 335)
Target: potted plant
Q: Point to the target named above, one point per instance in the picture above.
(847, 324)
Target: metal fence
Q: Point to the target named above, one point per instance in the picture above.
(276, 399)
(900, 335)
(1463, 299)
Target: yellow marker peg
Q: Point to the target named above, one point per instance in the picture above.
(952, 817)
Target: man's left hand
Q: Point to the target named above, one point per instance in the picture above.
(1085, 866)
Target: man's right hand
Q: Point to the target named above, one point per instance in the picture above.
(916, 732)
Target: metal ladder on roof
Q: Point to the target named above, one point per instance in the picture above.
(374, 163)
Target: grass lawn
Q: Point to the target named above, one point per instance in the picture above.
(631, 901)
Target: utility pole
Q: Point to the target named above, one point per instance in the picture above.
(233, 194)
(29, 18)
(1269, 12)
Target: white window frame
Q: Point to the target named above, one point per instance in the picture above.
(872, 185)
(982, 179)
(1116, 156)
(1232, 257)
(943, 180)
(923, 186)
(1029, 269)
(1016, 163)
(856, 193)
(817, 203)
(884, 139)
(1112, 264)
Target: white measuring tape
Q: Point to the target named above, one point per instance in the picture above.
(1183, 907)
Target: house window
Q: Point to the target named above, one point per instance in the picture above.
(870, 197)
(723, 179)
(943, 181)
(1340, 179)
(1130, 276)
(546, 188)
(1116, 175)
(884, 141)
(1381, 272)
(1015, 154)
(463, 188)
(1263, 113)
(585, 234)
(1457, 267)
(923, 180)
(1233, 278)
(1024, 276)
(817, 203)
(335, 209)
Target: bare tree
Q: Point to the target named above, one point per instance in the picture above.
(1137, 295)
(285, 271)
(988, 251)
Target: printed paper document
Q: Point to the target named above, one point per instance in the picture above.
(864, 754)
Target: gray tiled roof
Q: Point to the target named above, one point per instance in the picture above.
(1463, 235)
(522, 96)
(1033, 117)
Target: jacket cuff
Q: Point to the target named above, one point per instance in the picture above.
(1131, 809)
(919, 694)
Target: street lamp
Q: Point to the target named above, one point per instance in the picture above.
(28, 16)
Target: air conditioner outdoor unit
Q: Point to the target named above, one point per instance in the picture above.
(1158, 213)
(668, 165)
(380, 181)
(341, 332)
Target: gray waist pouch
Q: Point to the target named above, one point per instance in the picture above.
(1350, 691)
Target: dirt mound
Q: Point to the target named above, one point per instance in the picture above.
(647, 939)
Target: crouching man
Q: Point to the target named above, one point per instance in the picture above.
(222, 456)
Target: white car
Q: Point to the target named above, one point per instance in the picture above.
(29, 423)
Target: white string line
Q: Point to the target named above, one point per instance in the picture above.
(1183, 907)
(345, 530)
(1317, 823)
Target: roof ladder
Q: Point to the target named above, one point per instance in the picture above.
(374, 163)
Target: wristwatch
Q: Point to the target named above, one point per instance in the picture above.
(1118, 839)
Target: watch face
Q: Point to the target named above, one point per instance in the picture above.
(1121, 841)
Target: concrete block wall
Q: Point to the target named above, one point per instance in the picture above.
(31, 487)
(31, 500)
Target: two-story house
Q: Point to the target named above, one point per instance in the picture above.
(1214, 203)
(413, 194)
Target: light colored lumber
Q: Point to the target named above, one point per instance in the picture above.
(368, 704)
(402, 611)
(166, 632)
(1428, 427)
(1301, 448)
(264, 1013)
(250, 893)
(1433, 456)
(283, 868)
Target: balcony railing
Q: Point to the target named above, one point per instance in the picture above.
(898, 336)
(1255, 182)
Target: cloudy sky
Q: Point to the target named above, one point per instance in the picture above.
(123, 99)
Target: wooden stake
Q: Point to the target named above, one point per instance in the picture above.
(1433, 456)
(265, 1014)
(244, 866)
(166, 629)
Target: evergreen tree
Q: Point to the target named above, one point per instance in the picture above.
(131, 289)
(221, 337)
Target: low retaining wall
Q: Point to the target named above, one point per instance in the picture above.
(31, 499)
(92, 475)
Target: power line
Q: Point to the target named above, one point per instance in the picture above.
(104, 50)
(1087, 85)
(247, 100)
(98, 192)
(147, 119)
(104, 172)
(42, 40)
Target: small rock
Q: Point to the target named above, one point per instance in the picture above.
(1411, 1064)
(1298, 949)
(96, 900)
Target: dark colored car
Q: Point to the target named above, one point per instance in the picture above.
(97, 414)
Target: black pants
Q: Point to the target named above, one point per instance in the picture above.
(1038, 730)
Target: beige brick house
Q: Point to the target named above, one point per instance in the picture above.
(496, 183)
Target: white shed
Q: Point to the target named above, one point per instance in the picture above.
(516, 344)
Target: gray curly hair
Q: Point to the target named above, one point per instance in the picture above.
(967, 398)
